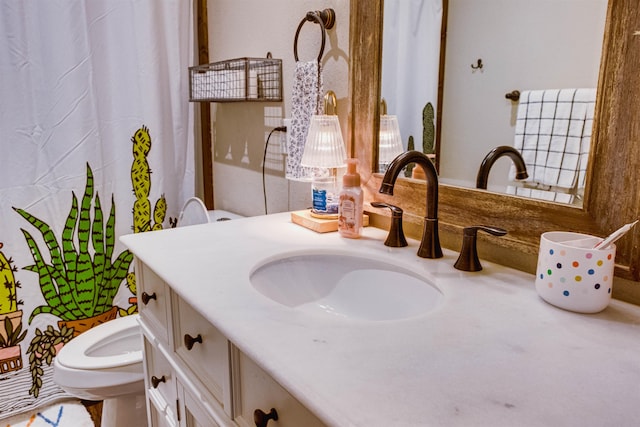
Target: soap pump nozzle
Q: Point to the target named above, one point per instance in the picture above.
(351, 178)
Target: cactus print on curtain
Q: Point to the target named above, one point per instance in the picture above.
(85, 86)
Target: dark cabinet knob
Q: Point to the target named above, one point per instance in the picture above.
(189, 341)
(261, 419)
(146, 297)
(155, 381)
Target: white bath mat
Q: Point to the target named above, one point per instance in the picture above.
(63, 414)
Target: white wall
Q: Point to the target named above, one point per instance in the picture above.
(251, 28)
(523, 44)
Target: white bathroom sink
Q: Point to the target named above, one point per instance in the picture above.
(345, 286)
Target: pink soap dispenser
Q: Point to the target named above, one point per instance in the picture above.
(350, 203)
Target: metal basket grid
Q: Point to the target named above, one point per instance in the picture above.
(241, 79)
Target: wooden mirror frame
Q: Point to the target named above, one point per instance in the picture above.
(612, 197)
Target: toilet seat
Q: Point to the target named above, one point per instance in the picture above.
(116, 343)
(194, 212)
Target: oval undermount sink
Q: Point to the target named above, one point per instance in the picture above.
(346, 286)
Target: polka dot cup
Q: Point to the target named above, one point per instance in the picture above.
(571, 274)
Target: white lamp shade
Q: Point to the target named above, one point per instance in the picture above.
(324, 147)
(390, 142)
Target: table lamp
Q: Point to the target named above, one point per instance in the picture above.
(324, 151)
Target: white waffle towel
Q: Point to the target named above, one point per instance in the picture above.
(553, 134)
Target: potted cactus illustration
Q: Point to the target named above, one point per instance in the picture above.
(142, 219)
(80, 277)
(11, 333)
(141, 180)
(408, 170)
(428, 137)
(78, 284)
(10, 354)
(428, 129)
(131, 285)
(8, 296)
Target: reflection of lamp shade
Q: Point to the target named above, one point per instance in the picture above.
(390, 142)
(324, 147)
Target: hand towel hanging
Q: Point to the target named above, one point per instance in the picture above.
(306, 99)
(553, 134)
(305, 102)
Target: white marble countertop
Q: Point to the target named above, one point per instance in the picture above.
(492, 354)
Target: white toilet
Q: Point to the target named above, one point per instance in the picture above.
(105, 363)
(195, 212)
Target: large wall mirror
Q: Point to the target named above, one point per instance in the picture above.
(611, 198)
(449, 65)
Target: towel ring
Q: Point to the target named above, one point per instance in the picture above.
(325, 18)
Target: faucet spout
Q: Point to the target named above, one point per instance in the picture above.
(430, 244)
(495, 154)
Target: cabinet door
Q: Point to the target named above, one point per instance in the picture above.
(153, 302)
(193, 411)
(255, 389)
(160, 382)
(156, 416)
(204, 351)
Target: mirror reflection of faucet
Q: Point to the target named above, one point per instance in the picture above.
(490, 159)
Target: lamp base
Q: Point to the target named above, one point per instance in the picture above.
(323, 215)
(324, 195)
(319, 225)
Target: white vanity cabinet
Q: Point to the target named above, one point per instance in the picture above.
(195, 377)
(315, 368)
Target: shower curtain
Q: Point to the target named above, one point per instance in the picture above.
(410, 62)
(96, 139)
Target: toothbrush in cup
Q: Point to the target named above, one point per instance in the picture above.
(604, 244)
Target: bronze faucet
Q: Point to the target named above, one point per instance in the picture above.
(430, 244)
(495, 154)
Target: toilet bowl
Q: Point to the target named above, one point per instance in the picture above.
(105, 363)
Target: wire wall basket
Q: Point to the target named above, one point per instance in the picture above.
(241, 79)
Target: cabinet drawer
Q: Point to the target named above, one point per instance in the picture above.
(153, 301)
(160, 381)
(255, 389)
(203, 349)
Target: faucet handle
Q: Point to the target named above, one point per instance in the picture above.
(395, 238)
(468, 259)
